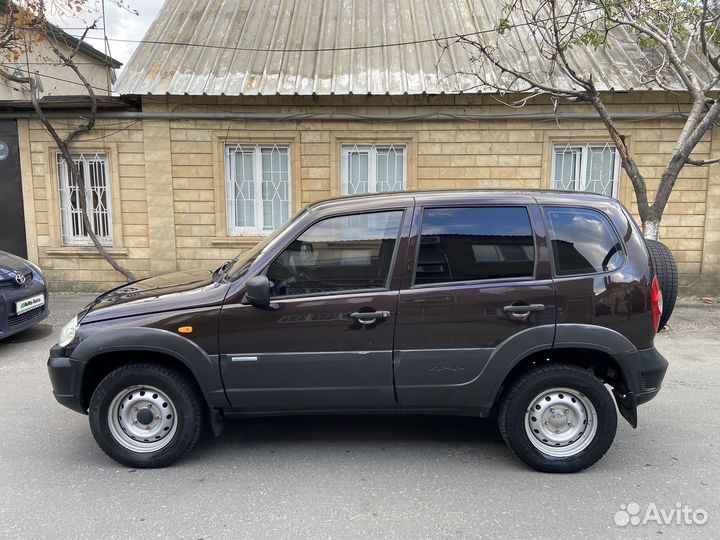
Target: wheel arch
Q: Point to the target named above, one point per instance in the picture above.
(107, 350)
(610, 356)
(605, 366)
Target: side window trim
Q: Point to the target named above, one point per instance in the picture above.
(350, 292)
(420, 212)
(393, 259)
(551, 250)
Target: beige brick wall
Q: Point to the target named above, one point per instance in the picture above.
(175, 170)
(80, 268)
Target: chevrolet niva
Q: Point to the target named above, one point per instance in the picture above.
(528, 306)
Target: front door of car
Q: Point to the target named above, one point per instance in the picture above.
(326, 340)
(480, 277)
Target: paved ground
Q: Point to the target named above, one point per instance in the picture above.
(346, 477)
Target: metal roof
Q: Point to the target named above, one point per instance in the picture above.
(305, 47)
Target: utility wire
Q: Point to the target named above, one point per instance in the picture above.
(44, 76)
(335, 49)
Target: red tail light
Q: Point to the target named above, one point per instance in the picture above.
(657, 303)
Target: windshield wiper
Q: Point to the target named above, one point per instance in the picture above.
(219, 273)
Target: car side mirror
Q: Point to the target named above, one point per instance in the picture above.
(257, 292)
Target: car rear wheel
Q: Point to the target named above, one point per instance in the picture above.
(667, 274)
(558, 418)
(146, 415)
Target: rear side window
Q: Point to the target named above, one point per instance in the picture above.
(583, 241)
(468, 244)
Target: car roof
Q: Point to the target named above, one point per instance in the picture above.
(387, 200)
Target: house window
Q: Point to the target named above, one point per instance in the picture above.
(586, 167)
(93, 169)
(258, 187)
(374, 168)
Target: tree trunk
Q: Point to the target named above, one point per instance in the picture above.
(651, 229)
(87, 225)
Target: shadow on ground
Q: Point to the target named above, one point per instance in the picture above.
(362, 430)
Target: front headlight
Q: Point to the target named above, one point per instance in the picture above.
(67, 334)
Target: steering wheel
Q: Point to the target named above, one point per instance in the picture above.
(298, 271)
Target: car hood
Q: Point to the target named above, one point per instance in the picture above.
(9, 263)
(176, 291)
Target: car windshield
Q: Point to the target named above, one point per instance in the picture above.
(240, 264)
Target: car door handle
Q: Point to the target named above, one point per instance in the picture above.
(526, 308)
(369, 317)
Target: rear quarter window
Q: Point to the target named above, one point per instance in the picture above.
(583, 241)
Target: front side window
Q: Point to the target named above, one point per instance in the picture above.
(258, 187)
(374, 168)
(586, 167)
(93, 169)
(583, 241)
(468, 244)
(344, 253)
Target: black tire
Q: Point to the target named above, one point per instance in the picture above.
(185, 399)
(667, 274)
(519, 397)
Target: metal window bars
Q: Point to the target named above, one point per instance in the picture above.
(257, 187)
(374, 168)
(586, 167)
(93, 168)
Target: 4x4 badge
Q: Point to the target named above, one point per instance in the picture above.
(19, 278)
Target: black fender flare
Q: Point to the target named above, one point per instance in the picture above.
(516, 348)
(507, 355)
(607, 340)
(620, 348)
(203, 367)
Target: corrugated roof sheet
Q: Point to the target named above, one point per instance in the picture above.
(305, 47)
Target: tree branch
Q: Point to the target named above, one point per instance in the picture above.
(701, 162)
(63, 143)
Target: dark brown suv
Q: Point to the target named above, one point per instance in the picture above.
(458, 303)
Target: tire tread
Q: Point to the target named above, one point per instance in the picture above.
(167, 455)
(574, 463)
(667, 274)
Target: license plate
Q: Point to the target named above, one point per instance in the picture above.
(29, 303)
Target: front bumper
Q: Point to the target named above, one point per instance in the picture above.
(66, 379)
(10, 322)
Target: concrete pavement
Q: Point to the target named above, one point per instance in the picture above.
(352, 477)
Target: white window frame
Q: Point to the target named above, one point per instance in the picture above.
(230, 175)
(581, 166)
(371, 150)
(66, 216)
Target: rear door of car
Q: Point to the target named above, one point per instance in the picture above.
(477, 275)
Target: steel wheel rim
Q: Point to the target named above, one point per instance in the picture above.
(142, 419)
(561, 422)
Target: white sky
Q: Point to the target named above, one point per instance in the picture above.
(120, 24)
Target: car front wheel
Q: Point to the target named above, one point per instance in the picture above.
(146, 415)
(558, 418)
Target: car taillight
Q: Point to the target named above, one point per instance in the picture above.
(657, 303)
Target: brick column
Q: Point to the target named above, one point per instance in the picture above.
(160, 204)
(711, 240)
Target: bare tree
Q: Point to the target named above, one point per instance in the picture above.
(679, 39)
(24, 27)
